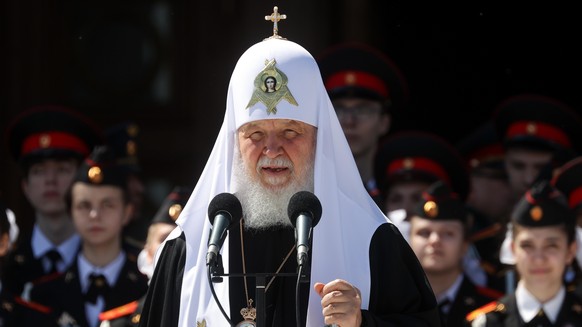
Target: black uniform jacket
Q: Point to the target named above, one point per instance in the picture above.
(62, 300)
(504, 313)
(22, 267)
(127, 315)
(400, 293)
(469, 298)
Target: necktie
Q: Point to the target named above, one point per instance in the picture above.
(443, 307)
(54, 258)
(540, 320)
(98, 286)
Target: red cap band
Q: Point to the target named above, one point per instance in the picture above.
(54, 140)
(358, 79)
(418, 163)
(545, 131)
(575, 197)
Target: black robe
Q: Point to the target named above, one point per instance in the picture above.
(400, 294)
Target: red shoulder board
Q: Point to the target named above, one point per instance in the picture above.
(33, 305)
(491, 306)
(46, 278)
(121, 311)
(489, 292)
(486, 232)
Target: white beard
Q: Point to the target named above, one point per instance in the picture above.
(265, 208)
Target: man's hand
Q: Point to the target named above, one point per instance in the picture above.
(341, 303)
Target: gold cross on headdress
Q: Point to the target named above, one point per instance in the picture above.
(275, 17)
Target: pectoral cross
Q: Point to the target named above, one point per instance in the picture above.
(275, 17)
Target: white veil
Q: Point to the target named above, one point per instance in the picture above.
(350, 217)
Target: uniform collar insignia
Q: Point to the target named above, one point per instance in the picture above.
(271, 88)
(67, 320)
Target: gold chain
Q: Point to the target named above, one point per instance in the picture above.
(242, 245)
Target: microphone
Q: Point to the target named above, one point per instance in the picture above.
(304, 211)
(223, 211)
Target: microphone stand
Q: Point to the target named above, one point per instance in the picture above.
(213, 268)
(260, 291)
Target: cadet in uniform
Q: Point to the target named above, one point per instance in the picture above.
(538, 134)
(409, 162)
(103, 276)
(122, 138)
(568, 180)
(543, 245)
(490, 198)
(8, 233)
(49, 143)
(366, 88)
(440, 229)
(162, 225)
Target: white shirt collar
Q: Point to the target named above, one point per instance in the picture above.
(451, 292)
(111, 271)
(40, 244)
(528, 306)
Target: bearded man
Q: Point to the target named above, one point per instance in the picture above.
(361, 271)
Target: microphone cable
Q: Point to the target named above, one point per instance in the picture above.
(298, 297)
(216, 297)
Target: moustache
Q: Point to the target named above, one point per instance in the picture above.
(274, 162)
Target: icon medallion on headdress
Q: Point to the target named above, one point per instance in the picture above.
(271, 88)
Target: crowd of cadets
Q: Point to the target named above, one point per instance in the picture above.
(457, 203)
(493, 219)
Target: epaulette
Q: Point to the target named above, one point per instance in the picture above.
(33, 305)
(118, 312)
(489, 267)
(131, 257)
(489, 292)
(486, 233)
(489, 307)
(27, 288)
(47, 278)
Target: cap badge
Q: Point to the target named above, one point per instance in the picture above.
(431, 209)
(531, 128)
(271, 88)
(132, 130)
(474, 163)
(44, 141)
(131, 148)
(408, 163)
(174, 211)
(350, 78)
(536, 213)
(95, 175)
